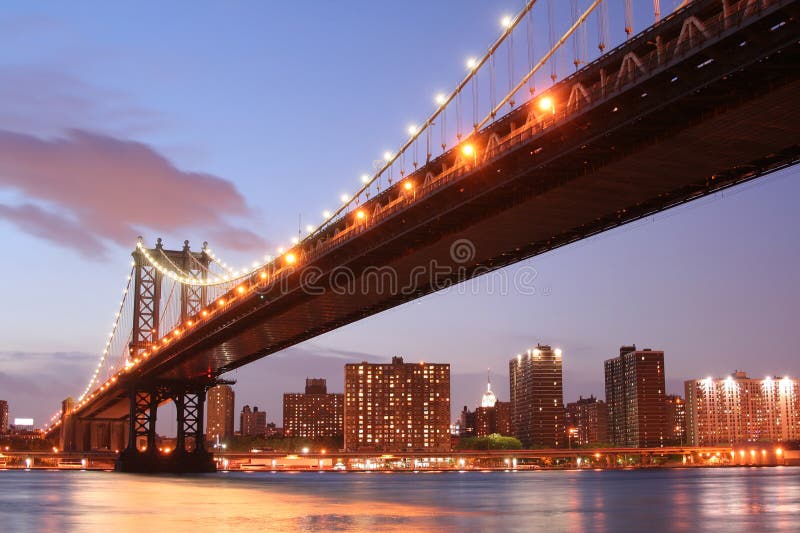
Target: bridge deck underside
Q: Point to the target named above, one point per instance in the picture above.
(592, 173)
(539, 211)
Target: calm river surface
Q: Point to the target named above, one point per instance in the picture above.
(724, 499)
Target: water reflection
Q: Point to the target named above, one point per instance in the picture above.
(670, 500)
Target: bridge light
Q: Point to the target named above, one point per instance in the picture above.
(295, 240)
(468, 150)
(344, 198)
(507, 21)
(364, 179)
(360, 214)
(408, 185)
(240, 289)
(263, 275)
(388, 156)
(441, 99)
(204, 312)
(221, 301)
(291, 258)
(546, 104)
(472, 63)
(326, 214)
(413, 129)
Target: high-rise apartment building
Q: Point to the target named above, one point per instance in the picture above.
(3, 417)
(635, 398)
(314, 414)
(252, 422)
(587, 421)
(740, 409)
(537, 398)
(397, 406)
(219, 418)
(466, 423)
(675, 416)
(495, 419)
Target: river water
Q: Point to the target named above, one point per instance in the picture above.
(721, 499)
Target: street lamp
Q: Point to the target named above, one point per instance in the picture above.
(546, 103)
(470, 151)
(571, 432)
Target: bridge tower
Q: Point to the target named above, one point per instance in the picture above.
(141, 453)
(147, 289)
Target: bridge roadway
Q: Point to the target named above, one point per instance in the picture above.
(662, 120)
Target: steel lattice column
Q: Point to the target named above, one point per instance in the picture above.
(146, 302)
(189, 404)
(193, 297)
(142, 421)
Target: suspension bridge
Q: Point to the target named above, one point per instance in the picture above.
(514, 162)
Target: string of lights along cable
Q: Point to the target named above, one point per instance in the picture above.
(510, 66)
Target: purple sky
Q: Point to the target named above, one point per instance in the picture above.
(223, 122)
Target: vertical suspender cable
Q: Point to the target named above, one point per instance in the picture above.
(584, 40)
(491, 81)
(628, 18)
(444, 128)
(511, 66)
(531, 52)
(553, 60)
(458, 116)
(657, 9)
(602, 26)
(474, 102)
(576, 60)
(428, 145)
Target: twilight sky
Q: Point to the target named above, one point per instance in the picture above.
(224, 121)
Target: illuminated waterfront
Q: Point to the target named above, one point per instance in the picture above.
(731, 499)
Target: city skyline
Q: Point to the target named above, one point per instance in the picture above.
(465, 393)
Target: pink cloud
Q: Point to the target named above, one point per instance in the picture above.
(52, 227)
(110, 190)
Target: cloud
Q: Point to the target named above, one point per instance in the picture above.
(53, 227)
(91, 188)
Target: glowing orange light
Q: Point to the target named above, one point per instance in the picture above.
(204, 312)
(190, 323)
(221, 301)
(240, 289)
(468, 150)
(360, 214)
(263, 275)
(546, 103)
(779, 451)
(408, 186)
(291, 258)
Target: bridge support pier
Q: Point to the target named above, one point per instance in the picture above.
(190, 455)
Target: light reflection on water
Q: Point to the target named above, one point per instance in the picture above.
(731, 499)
